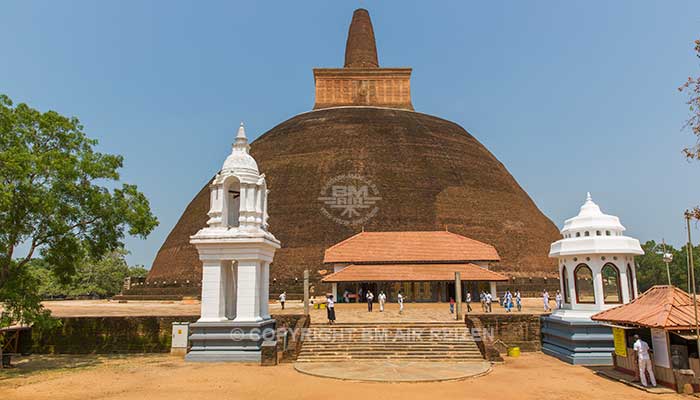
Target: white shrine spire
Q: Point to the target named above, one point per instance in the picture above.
(241, 141)
(240, 159)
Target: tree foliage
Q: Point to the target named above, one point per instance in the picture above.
(59, 198)
(651, 269)
(691, 88)
(102, 277)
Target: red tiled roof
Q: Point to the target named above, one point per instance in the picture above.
(664, 306)
(368, 247)
(412, 272)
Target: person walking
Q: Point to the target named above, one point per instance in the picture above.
(452, 305)
(508, 300)
(558, 300)
(400, 299)
(482, 299)
(330, 309)
(642, 349)
(370, 299)
(518, 300)
(468, 300)
(489, 301)
(346, 296)
(283, 298)
(382, 300)
(545, 300)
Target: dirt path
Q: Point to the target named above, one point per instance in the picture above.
(532, 376)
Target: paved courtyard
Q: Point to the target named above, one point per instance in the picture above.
(395, 371)
(352, 312)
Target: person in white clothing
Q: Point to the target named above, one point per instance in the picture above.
(382, 300)
(283, 298)
(642, 349)
(545, 300)
(558, 300)
(400, 299)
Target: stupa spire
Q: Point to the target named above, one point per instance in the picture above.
(361, 48)
(362, 82)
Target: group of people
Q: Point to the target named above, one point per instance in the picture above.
(557, 299)
(507, 301)
(511, 299)
(467, 300)
(369, 297)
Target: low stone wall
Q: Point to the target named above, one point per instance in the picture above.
(521, 330)
(104, 335)
(294, 338)
(115, 335)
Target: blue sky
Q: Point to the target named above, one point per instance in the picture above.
(571, 96)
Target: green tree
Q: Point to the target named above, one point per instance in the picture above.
(138, 271)
(651, 269)
(60, 198)
(102, 277)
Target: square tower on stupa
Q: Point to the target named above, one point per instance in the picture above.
(361, 82)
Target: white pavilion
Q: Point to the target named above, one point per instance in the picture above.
(236, 250)
(596, 272)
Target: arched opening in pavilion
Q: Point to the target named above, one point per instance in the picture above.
(612, 292)
(583, 282)
(232, 204)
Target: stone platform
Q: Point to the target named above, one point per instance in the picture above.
(229, 340)
(396, 371)
(573, 337)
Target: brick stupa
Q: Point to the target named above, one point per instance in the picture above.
(429, 173)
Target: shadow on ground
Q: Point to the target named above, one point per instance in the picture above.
(23, 366)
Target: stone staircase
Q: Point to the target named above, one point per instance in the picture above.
(411, 341)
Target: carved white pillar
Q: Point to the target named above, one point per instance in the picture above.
(597, 284)
(242, 200)
(250, 204)
(258, 205)
(572, 286)
(230, 280)
(625, 289)
(213, 291)
(265, 290)
(248, 299)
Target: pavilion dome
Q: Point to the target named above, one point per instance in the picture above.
(594, 232)
(591, 219)
(240, 160)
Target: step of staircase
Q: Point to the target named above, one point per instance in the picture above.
(411, 341)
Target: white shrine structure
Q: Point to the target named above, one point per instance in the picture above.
(236, 250)
(596, 272)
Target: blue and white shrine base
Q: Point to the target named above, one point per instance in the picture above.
(229, 340)
(573, 337)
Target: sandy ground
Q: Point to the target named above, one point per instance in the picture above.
(532, 376)
(352, 312)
